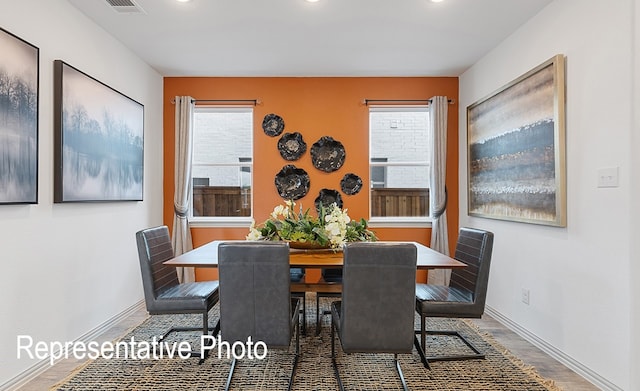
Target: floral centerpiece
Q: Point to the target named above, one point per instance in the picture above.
(332, 228)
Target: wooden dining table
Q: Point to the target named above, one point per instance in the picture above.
(207, 256)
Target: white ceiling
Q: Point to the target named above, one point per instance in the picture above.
(298, 38)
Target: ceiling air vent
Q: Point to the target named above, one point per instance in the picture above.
(125, 6)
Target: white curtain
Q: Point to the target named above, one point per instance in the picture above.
(181, 238)
(437, 191)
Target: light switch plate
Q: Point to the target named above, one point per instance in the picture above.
(608, 177)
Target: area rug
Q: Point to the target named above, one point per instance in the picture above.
(499, 371)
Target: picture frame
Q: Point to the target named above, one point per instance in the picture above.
(19, 111)
(516, 149)
(98, 140)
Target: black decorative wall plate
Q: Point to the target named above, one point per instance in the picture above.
(273, 125)
(291, 146)
(351, 184)
(292, 182)
(326, 197)
(327, 154)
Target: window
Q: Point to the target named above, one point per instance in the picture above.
(222, 164)
(399, 164)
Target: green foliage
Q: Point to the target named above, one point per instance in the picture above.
(358, 231)
(284, 224)
(301, 227)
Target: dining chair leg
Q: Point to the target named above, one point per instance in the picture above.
(297, 339)
(336, 372)
(333, 357)
(320, 314)
(214, 332)
(296, 358)
(423, 334)
(333, 342)
(304, 313)
(317, 314)
(205, 322)
(233, 367)
(205, 331)
(423, 358)
(421, 347)
(399, 369)
(476, 355)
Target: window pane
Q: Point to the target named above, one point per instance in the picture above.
(399, 156)
(223, 199)
(221, 171)
(222, 135)
(399, 136)
(403, 194)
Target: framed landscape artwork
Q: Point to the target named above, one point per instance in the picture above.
(98, 140)
(19, 77)
(516, 149)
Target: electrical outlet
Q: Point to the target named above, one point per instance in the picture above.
(525, 296)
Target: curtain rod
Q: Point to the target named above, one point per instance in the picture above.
(254, 102)
(366, 102)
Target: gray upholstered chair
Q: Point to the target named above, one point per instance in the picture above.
(464, 297)
(254, 297)
(376, 314)
(163, 293)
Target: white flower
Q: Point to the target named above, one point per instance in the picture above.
(335, 226)
(345, 217)
(254, 234)
(280, 211)
(333, 229)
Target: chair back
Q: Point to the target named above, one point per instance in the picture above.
(378, 297)
(254, 292)
(154, 248)
(474, 248)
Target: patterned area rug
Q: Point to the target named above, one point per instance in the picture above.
(499, 371)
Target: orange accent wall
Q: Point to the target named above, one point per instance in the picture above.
(315, 107)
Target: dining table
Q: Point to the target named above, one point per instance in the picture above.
(207, 256)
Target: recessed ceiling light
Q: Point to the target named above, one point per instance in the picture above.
(183, 1)
(313, 1)
(437, 1)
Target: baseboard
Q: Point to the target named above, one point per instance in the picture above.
(41, 366)
(552, 351)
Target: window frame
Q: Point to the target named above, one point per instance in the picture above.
(225, 221)
(396, 221)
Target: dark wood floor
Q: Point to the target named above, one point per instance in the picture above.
(529, 354)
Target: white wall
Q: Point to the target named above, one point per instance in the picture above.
(635, 207)
(67, 268)
(578, 276)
